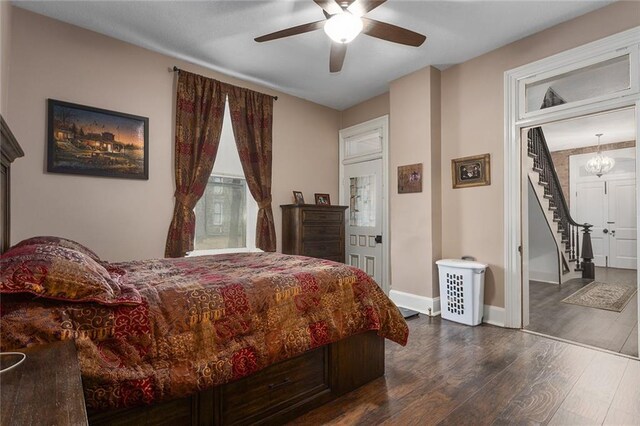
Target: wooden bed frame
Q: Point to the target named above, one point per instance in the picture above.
(275, 394)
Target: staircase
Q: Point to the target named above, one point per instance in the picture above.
(575, 258)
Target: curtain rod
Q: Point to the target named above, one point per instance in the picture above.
(176, 69)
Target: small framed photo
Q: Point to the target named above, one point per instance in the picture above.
(322, 199)
(471, 171)
(298, 198)
(84, 140)
(410, 178)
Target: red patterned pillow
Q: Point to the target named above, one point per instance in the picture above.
(60, 273)
(57, 241)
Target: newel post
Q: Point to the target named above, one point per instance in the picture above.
(588, 267)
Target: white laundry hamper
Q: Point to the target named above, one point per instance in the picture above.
(461, 290)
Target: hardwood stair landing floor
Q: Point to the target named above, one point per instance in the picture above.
(450, 373)
(614, 331)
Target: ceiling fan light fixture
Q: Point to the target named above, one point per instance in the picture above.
(343, 27)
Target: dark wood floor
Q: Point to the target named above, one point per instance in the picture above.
(610, 330)
(454, 374)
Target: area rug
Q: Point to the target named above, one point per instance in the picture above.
(608, 296)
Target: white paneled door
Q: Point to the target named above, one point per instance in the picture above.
(364, 239)
(610, 206)
(623, 232)
(591, 207)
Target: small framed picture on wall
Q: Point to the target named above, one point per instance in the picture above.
(471, 171)
(410, 178)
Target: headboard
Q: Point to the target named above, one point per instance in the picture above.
(9, 151)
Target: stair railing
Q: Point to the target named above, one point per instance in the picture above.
(567, 226)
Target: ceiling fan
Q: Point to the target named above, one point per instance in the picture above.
(344, 21)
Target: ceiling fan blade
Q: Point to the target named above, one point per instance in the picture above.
(329, 6)
(360, 7)
(336, 58)
(392, 33)
(300, 29)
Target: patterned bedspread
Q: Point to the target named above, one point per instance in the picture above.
(203, 321)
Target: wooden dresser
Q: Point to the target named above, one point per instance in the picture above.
(9, 151)
(314, 231)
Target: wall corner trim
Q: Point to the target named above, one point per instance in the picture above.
(414, 302)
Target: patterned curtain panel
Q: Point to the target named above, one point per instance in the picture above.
(199, 115)
(252, 118)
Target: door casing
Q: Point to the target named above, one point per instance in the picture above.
(515, 221)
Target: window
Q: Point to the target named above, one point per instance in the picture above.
(363, 144)
(226, 215)
(595, 79)
(217, 211)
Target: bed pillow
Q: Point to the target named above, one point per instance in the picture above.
(58, 241)
(56, 272)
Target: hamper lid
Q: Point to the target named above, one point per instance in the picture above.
(460, 263)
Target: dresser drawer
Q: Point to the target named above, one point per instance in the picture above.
(252, 398)
(322, 216)
(321, 232)
(322, 248)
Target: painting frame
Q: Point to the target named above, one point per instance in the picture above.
(98, 156)
(298, 198)
(479, 176)
(322, 199)
(410, 178)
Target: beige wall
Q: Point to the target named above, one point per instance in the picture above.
(5, 48)
(412, 135)
(365, 111)
(413, 104)
(119, 218)
(472, 123)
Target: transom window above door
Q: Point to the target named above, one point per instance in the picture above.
(600, 77)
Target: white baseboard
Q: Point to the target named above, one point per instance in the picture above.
(543, 281)
(493, 315)
(422, 304)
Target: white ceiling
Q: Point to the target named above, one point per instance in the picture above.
(616, 126)
(219, 35)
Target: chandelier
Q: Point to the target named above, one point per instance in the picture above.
(600, 164)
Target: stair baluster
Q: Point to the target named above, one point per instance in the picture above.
(567, 226)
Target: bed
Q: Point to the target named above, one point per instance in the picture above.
(227, 339)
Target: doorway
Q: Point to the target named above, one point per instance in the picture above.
(609, 203)
(363, 187)
(594, 78)
(599, 310)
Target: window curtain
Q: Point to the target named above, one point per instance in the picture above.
(200, 103)
(252, 119)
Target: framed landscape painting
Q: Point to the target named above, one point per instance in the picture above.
(90, 141)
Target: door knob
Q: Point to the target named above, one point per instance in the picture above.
(378, 239)
(605, 230)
